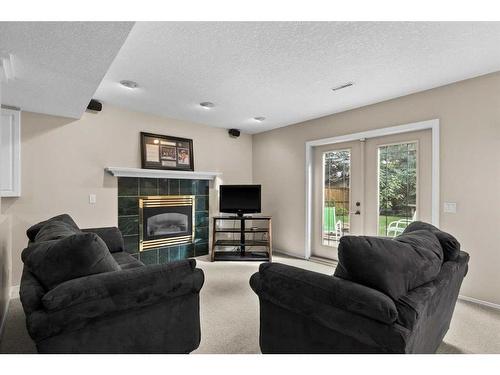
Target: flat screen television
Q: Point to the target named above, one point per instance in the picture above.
(239, 199)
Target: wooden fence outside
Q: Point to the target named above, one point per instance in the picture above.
(337, 195)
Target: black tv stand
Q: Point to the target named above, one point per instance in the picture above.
(242, 248)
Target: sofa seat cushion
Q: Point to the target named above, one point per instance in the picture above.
(392, 266)
(33, 230)
(55, 230)
(56, 261)
(126, 261)
(450, 245)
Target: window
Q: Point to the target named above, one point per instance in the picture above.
(397, 187)
(336, 193)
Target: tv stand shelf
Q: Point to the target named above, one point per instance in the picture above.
(258, 230)
(245, 243)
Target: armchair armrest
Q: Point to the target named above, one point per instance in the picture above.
(125, 289)
(112, 237)
(304, 290)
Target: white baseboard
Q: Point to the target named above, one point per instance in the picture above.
(14, 291)
(479, 302)
(326, 262)
(276, 251)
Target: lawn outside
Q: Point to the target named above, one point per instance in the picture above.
(384, 221)
(330, 219)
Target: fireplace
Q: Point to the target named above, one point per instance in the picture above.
(166, 220)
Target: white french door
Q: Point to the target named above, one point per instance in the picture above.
(370, 187)
(337, 196)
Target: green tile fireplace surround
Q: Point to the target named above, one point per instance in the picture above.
(129, 191)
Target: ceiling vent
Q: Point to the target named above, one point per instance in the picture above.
(129, 84)
(344, 86)
(207, 105)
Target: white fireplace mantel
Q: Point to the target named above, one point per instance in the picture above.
(161, 173)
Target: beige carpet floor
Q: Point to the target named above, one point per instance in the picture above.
(230, 320)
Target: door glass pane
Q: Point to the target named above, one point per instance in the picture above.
(397, 187)
(336, 188)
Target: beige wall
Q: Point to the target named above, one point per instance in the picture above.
(469, 114)
(63, 161)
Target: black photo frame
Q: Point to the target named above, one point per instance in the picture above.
(166, 152)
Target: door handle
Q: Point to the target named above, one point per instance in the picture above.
(357, 212)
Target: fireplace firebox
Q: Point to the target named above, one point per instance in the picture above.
(166, 220)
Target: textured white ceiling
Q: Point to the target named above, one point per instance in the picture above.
(285, 70)
(58, 65)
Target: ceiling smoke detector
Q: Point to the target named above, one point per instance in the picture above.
(207, 105)
(259, 118)
(344, 86)
(129, 84)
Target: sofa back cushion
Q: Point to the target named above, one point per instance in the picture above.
(55, 230)
(33, 230)
(56, 261)
(450, 245)
(112, 237)
(392, 266)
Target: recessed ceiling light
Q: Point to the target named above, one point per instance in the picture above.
(207, 105)
(344, 86)
(129, 84)
(259, 118)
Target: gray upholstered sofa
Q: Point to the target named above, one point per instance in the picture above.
(386, 296)
(82, 293)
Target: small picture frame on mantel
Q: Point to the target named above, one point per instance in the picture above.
(166, 152)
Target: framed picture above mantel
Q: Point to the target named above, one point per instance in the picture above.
(165, 152)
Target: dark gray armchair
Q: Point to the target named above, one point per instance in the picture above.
(387, 296)
(134, 309)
